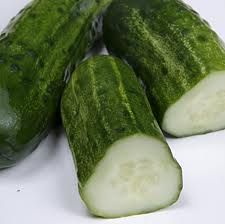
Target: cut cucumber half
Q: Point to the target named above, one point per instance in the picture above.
(179, 58)
(124, 165)
(137, 175)
(200, 110)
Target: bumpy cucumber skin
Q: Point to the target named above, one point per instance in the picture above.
(167, 43)
(104, 102)
(47, 38)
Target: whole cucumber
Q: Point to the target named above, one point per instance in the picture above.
(38, 50)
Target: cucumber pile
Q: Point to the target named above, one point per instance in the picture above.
(180, 59)
(172, 77)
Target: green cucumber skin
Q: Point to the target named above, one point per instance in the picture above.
(168, 45)
(47, 38)
(103, 102)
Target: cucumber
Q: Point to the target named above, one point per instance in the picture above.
(46, 39)
(180, 59)
(125, 167)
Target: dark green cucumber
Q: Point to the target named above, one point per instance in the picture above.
(178, 56)
(46, 39)
(125, 167)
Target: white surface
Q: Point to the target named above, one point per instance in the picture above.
(42, 189)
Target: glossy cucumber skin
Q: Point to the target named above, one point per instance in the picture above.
(47, 38)
(104, 102)
(167, 43)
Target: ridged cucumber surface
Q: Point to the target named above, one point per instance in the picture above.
(178, 56)
(124, 164)
(38, 50)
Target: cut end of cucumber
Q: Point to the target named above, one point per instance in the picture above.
(137, 175)
(201, 110)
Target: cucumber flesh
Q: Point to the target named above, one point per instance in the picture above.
(137, 175)
(200, 110)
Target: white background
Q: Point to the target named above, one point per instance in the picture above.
(42, 188)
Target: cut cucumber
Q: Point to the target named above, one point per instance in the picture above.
(177, 55)
(125, 167)
(200, 110)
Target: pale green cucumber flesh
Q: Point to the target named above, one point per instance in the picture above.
(200, 110)
(137, 175)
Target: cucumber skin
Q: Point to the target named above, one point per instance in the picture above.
(168, 45)
(45, 39)
(104, 102)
